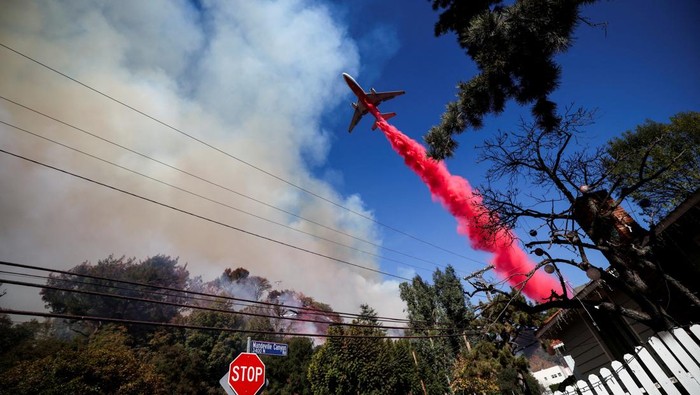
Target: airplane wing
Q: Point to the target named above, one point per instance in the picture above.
(377, 97)
(356, 118)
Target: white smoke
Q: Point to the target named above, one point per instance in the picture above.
(250, 77)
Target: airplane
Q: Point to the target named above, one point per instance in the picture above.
(363, 98)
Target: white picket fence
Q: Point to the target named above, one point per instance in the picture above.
(668, 363)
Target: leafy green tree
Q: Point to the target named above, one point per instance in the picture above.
(479, 356)
(438, 309)
(477, 370)
(160, 270)
(489, 369)
(352, 365)
(491, 366)
(287, 375)
(658, 163)
(183, 369)
(105, 365)
(216, 349)
(514, 46)
(25, 341)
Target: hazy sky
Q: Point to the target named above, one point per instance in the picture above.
(260, 81)
(250, 78)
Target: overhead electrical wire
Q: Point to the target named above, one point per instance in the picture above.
(191, 295)
(196, 307)
(179, 293)
(206, 198)
(183, 211)
(219, 329)
(249, 164)
(223, 187)
(189, 292)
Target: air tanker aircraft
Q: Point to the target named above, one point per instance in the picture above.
(363, 98)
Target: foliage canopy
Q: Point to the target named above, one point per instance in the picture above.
(514, 46)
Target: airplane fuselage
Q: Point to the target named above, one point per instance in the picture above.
(362, 100)
(367, 101)
(354, 86)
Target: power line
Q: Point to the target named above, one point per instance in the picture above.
(189, 292)
(187, 295)
(179, 294)
(210, 328)
(195, 307)
(200, 141)
(206, 198)
(212, 299)
(217, 185)
(205, 218)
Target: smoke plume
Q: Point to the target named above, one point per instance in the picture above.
(252, 78)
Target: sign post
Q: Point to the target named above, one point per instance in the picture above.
(246, 374)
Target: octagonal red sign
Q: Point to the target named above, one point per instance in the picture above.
(246, 374)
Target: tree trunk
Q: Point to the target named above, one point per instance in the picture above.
(608, 225)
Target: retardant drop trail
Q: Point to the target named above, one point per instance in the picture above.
(455, 193)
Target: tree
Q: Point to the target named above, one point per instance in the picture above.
(215, 349)
(659, 161)
(514, 47)
(478, 356)
(105, 364)
(288, 375)
(581, 212)
(491, 365)
(366, 365)
(438, 309)
(142, 358)
(241, 284)
(25, 341)
(184, 369)
(161, 271)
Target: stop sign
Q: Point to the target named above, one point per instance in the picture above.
(246, 374)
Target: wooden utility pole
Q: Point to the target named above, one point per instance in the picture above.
(422, 384)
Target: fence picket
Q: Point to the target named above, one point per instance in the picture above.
(696, 330)
(676, 352)
(583, 387)
(680, 353)
(611, 382)
(674, 366)
(656, 371)
(597, 385)
(641, 375)
(626, 378)
(688, 343)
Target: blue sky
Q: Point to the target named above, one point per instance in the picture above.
(262, 82)
(645, 67)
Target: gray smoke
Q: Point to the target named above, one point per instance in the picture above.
(249, 77)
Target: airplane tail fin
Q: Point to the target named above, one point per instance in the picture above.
(387, 115)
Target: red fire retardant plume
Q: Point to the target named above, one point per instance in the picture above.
(455, 193)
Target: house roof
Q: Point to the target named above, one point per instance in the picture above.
(691, 202)
(580, 292)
